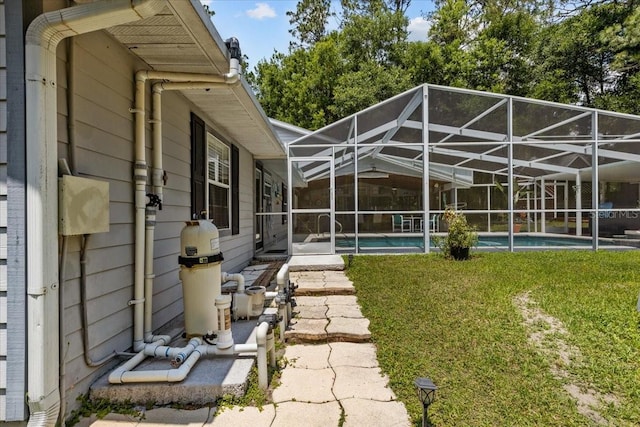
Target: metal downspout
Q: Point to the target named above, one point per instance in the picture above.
(41, 40)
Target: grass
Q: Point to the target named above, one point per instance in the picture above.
(456, 323)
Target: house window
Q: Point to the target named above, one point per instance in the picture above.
(219, 189)
(215, 178)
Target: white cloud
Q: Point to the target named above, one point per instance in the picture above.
(262, 11)
(418, 29)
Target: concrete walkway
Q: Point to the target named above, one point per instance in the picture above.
(331, 376)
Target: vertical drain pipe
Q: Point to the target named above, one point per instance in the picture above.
(41, 40)
(140, 202)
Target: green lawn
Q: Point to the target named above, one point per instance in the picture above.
(457, 323)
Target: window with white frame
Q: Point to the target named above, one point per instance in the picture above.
(218, 182)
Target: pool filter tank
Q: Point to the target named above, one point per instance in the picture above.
(205, 309)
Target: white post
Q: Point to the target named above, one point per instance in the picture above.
(578, 205)
(543, 198)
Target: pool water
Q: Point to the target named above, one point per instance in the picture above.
(484, 241)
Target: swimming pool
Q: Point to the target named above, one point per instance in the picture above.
(485, 241)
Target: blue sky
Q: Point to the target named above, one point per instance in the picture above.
(262, 26)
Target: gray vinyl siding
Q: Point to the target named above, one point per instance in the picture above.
(105, 150)
(3, 217)
(103, 134)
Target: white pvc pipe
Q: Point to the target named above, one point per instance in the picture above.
(271, 348)
(144, 234)
(156, 125)
(166, 351)
(150, 223)
(264, 345)
(230, 78)
(140, 201)
(283, 276)
(238, 278)
(284, 321)
(41, 40)
(578, 205)
(261, 340)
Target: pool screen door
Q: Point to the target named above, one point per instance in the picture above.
(312, 226)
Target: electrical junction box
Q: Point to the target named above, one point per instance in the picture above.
(83, 206)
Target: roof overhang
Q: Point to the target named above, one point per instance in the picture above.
(182, 38)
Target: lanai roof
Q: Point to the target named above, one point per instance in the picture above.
(469, 131)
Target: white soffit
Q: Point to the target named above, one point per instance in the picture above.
(182, 39)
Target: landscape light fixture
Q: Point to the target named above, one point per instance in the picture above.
(427, 394)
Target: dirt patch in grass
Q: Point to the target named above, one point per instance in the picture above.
(547, 334)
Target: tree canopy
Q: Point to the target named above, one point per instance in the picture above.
(585, 52)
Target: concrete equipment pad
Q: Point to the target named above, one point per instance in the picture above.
(210, 378)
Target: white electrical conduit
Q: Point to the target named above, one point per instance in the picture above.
(41, 41)
(194, 350)
(145, 221)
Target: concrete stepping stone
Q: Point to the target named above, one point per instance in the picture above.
(297, 275)
(305, 300)
(342, 300)
(301, 385)
(317, 284)
(311, 312)
(307, 330)
(306, 283)
(325, 289)
(351, 354)
(363, 383)
(365, 412)
(303, 356)
(243, 416)
(350, 311)
(109, 420)
(316, 263)
(161, 417)
(348, 329)
(307, 414)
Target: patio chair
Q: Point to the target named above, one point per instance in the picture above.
(398, 221)
(434, 223)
